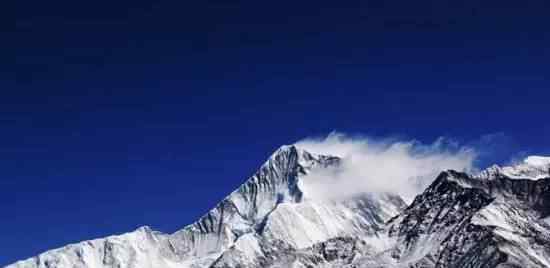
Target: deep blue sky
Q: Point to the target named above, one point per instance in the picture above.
(130, 113)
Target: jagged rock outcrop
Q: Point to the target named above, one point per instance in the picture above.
(462, 221)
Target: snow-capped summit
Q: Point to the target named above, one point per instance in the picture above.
(532, 167)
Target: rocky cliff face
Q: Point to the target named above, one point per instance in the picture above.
(492, 219)
(498, 218)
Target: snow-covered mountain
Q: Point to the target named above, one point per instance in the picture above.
(497, 218)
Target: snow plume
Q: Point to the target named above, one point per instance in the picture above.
(381, 165)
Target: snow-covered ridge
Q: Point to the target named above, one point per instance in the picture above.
(532, 167)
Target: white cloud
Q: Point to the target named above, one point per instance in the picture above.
(382, 165)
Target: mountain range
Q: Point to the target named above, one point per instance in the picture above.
(499, 217)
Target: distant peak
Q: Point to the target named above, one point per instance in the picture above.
(532, 167)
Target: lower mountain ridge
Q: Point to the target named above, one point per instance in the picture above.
(497, 218)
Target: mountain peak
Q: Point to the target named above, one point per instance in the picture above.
(285, 149)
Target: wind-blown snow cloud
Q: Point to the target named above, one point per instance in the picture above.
(382, 165)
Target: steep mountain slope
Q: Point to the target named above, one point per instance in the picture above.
(268, 210)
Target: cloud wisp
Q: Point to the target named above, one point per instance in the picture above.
(381, 165)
